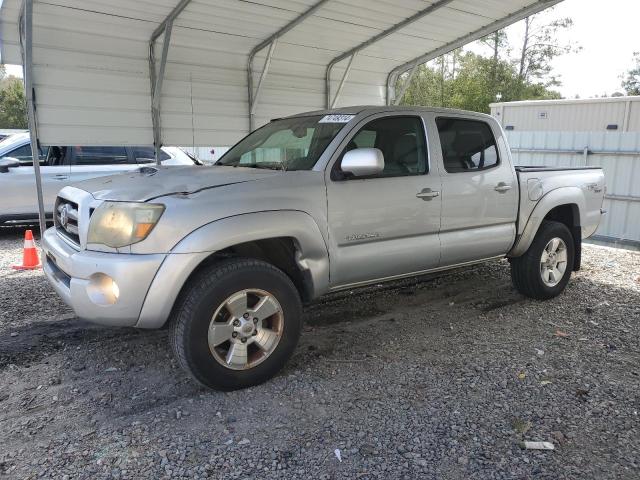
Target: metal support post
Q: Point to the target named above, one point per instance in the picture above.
(26, 40)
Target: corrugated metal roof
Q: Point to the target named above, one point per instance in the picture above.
(91, 74)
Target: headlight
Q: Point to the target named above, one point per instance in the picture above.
(118, 224)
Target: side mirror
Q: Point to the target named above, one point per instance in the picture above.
(8, 162)
(361, 162)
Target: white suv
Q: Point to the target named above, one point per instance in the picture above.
(62, 166)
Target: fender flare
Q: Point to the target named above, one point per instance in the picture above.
(312, 255)
(555, 198)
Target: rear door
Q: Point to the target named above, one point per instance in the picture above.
(92, 162)
(479, 191)
(385, 225)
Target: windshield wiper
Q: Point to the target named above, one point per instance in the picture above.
(266, 166)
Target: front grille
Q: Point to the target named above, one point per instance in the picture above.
(66, 219)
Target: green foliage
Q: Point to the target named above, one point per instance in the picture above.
(631, 79)
(473, 84)
(13, 107)
(540, 46)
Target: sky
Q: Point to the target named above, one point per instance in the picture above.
(607, 31)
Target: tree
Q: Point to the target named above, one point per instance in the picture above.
(539, 47)
(498, 42)
(631, 79)
(474, 85)
(13, 106)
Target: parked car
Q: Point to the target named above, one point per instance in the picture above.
(307, 205)
(62, 166)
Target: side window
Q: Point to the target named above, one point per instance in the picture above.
(100, 156)
(401, 140)
(23, 154)
(148, 155)
(467, 145)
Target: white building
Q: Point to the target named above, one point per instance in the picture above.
(617, 114)
(601, 132)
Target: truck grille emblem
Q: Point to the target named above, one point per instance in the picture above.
(64, 216)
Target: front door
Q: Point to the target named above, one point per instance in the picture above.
(384, 225)
(19, 196)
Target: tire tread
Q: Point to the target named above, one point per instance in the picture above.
(200, 283)
(525, 269)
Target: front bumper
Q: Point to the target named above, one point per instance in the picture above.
(77, 276)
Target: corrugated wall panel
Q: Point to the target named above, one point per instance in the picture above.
(617, 153)
(563, 115)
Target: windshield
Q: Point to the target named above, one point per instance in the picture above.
(287, 144)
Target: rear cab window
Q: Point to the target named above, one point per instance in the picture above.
(467, 145)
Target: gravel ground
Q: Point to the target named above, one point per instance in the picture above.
(426, 378)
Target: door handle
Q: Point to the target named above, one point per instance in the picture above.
(60, 176)
(427, 194)
(502, 187)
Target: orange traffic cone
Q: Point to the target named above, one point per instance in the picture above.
(30, 260)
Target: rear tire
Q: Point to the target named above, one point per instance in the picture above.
(544, 270)
(216, 334)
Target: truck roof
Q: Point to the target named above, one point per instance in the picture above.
(373, 109)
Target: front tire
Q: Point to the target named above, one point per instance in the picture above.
(236, 323)
(544, 270)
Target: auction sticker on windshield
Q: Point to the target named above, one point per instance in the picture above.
(336, 118)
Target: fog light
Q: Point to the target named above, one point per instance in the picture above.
(102, 289)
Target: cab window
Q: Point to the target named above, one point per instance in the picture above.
(467, 145)
(402, 142)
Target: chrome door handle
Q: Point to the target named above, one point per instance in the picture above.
(427, 194)
(502, 187)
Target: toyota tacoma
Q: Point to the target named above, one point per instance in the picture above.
(226, 255)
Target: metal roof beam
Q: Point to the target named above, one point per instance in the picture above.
(156, 79)
(270, 42)
(385, 33)
(492, 27)
(345, 75)
(173, 14)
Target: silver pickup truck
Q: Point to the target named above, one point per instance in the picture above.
(314, 203)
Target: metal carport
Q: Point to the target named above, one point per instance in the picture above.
(205, 72)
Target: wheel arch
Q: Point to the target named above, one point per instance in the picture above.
(290, 240)
(561, 205)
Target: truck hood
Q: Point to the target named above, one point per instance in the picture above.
(153, 182)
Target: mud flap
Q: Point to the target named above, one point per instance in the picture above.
(576, 232)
